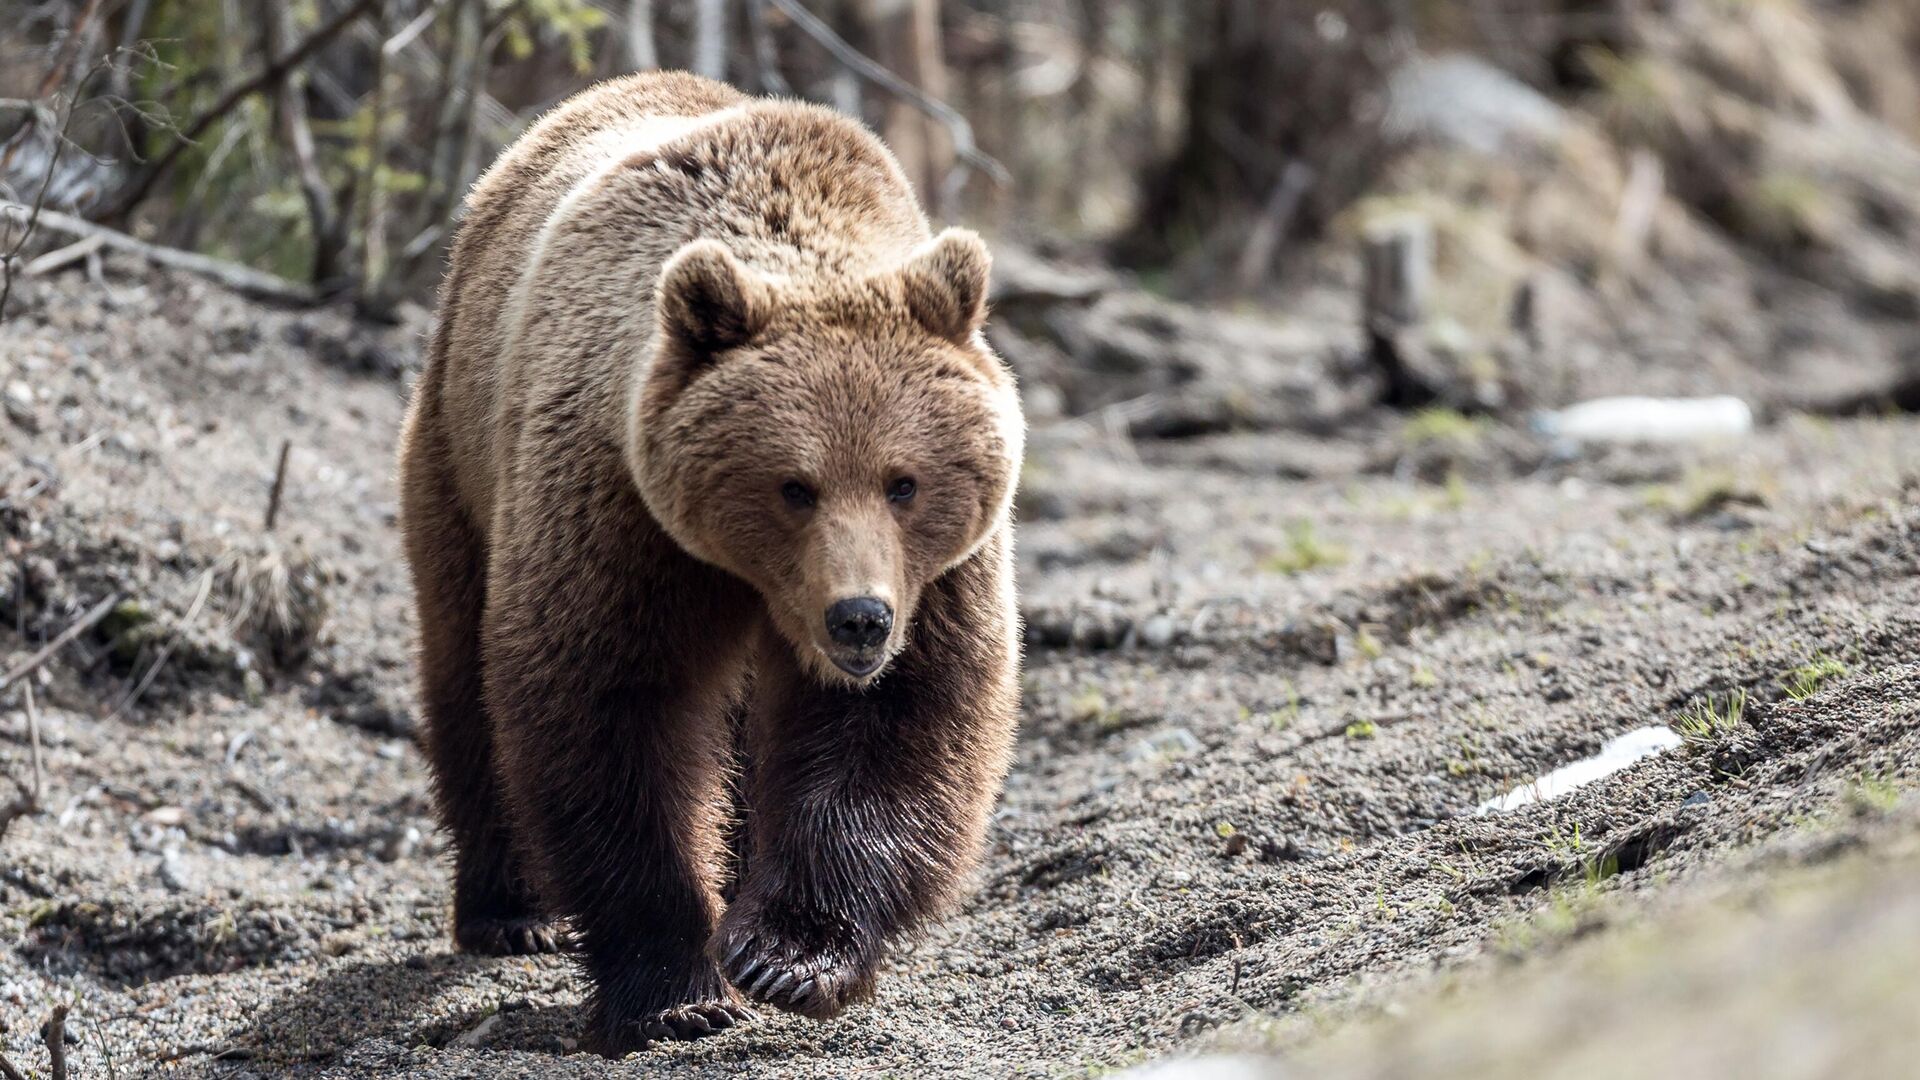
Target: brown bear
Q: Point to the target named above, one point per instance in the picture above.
(707, 490)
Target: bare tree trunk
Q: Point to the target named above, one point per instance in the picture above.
(710, 38)
(905, 36)
(641, 53)
(1269, 84)
(373, 206)
(330, 227)
(453, 126)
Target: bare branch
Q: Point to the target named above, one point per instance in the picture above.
(864, 66)
(33, 215)
(272, 75)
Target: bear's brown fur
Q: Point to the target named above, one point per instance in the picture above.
(701, 372)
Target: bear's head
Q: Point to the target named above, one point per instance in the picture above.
(836, 446)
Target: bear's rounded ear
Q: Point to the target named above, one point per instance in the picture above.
(707, 301)
(946, 284)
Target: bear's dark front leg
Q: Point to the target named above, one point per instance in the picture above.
(610, 658)
(866, 807)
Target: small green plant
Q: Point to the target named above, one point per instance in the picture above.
(1090, 706)
(1711, 720)
(1785, 207)
(1291, 712)
(1598, 869)
(1303, 551)
(1805, 681)
(1445, 427)
(1362, 729)
(1367, 644)
(1872, 795)
(1423, 676)
(1561, 842)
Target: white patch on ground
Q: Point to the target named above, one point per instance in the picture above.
(1617, 754)
(1224, 1067)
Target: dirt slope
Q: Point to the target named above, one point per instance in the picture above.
(1270, 679)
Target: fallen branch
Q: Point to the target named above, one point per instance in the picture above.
(268, 77)
(958, 129)
(64, 256)
(85, 623)
(241, 279)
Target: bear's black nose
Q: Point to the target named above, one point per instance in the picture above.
(860, 623)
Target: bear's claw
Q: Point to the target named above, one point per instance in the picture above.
(677, 1022)
(693, 1021)
(509, 937)
(818, 986)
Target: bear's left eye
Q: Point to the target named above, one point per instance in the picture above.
(798, 495)
(901, 490)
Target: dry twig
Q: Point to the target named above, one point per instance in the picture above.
(166, 651)
(279, 484)
(80, 626)
(54, 1034)
(30, 796)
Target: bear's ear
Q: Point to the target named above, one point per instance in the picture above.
(946, 284)
(708, 302)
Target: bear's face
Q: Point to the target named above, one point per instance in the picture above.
(837, 450)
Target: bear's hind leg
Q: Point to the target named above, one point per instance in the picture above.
(494, 912)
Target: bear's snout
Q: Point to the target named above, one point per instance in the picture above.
(861, 622)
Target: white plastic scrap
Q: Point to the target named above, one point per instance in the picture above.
(1617, 754)
(1648, 420)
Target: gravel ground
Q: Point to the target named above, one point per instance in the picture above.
(1270, 679)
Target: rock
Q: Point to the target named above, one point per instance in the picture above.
(174, 874)
(1468, 102)
(1158, 632)
(20, 406)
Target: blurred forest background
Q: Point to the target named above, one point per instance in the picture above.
(1614, 145)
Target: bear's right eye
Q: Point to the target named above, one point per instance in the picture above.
(798, 495)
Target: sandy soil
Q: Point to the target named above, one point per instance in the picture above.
(1270, 678)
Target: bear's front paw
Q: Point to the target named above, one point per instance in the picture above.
(689, 1021)
(514, 936)
(812, 981)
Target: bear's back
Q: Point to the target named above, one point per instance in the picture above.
(549, 296)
